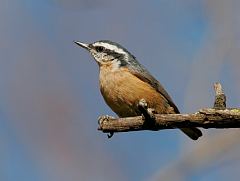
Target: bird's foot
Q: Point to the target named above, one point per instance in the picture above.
(147, 112)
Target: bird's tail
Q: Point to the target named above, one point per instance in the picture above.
(193, 133)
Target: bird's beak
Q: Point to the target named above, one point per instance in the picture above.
(83, 45)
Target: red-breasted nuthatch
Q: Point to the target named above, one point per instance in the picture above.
(124, 82)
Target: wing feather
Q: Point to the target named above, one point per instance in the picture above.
(142, 73)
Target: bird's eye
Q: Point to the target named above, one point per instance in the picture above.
(99, 48)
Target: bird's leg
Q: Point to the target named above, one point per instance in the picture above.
(101, 119)
(147, 112)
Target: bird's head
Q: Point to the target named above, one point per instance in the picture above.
(106, 52)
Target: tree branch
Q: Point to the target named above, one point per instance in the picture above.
(217, 117)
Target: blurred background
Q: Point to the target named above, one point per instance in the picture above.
(50, 100)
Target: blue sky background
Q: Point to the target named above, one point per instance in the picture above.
(50, 100)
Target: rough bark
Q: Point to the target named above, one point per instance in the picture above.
(217, 117)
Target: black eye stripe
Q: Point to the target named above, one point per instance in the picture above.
(110, 52)
(99, 48)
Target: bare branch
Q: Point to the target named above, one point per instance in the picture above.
(205, 118)
(217, 117)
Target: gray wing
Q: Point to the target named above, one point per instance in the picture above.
(141, 72)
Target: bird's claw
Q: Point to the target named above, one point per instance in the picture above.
(147, 113)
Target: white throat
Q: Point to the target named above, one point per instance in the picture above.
(115, 65)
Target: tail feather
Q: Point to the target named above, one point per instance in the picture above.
(193, 133)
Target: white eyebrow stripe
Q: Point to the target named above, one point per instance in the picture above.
(110, 47)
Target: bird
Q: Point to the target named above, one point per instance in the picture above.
(124, 82)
